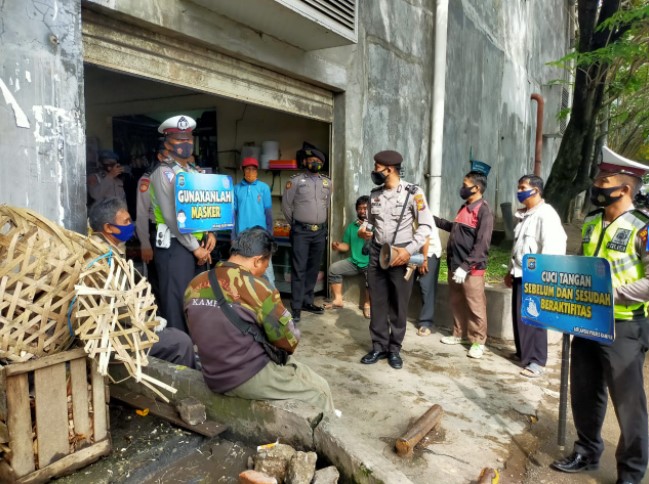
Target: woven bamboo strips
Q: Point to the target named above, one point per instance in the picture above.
(42, 268)
(116, 317)
(39, 264)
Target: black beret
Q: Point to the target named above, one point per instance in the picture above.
(388, 158)
(307, 151)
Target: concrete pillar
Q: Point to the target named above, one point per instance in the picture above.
(42, 152)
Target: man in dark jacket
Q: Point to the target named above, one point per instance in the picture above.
(234, 363)
(466, 255)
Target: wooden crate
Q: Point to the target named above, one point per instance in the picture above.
(53, 417)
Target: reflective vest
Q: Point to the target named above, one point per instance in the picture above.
(157, 212)
(616, 243)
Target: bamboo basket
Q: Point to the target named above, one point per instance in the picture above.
(115, 316)
(40, 263)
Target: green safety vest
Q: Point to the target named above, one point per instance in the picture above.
(616, 244)
(157, 213)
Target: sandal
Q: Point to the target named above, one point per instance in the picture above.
(366, 312)
(332, 306)
(532, 371)
(424, 331)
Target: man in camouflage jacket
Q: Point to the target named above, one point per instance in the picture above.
(233, 363)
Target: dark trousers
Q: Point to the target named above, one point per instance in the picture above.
(389, 296)
(176, 268)
(531, 342)
(174, 346)
(428, 287)
(307, 249)
(151, 271)
(595, 367)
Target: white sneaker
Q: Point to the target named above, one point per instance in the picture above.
(453, 340)
(476, 350)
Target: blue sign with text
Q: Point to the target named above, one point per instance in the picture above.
(569, 293)
(203, 202)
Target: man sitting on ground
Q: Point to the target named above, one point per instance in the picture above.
(351, 266)
(112, 225)
(226, 306)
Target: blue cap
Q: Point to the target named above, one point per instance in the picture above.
(480, 167)
(107, 155)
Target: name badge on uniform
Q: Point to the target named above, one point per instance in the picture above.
(620, 240)
(376, 206)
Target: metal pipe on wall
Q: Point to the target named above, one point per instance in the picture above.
(437, 107)
(538, 148)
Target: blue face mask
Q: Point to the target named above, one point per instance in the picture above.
(524, 195)
(125, 232)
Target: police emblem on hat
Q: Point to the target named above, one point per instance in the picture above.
(183, 124)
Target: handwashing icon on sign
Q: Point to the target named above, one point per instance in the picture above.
(530, 307)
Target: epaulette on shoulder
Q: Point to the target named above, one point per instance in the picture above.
(376, 189)
(412, 188)
(297, 174)
(641, 214)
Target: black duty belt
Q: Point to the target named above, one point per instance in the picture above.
(310, 227)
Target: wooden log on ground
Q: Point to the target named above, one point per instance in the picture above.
(417, 431)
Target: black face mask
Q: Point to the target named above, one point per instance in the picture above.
(314, 167)
(466, 192)
(379, 177)
(601, 197)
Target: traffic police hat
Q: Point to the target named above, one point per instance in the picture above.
(612, 163)
(177, 124)
(388, 158)
(307, 151)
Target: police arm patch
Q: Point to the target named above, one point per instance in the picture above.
(144, 186)
(643, 236)
(419, 200)
(288, 185)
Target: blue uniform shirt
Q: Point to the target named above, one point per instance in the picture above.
(251, 201)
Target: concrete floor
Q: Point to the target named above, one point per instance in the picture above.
(487, 404)
(493, 416)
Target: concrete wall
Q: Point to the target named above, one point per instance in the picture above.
(497, 57)
(42, 145)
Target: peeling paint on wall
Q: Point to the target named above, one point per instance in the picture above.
(53, 123)
(19, 114)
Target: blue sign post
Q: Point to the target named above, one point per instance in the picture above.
(571, 294)
(204, 203)
(568, 293)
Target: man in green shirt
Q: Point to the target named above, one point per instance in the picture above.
(353, 265)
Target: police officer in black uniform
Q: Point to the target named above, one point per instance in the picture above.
(305, 204)
(394, 208)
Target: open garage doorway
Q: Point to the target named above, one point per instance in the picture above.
(123, 113)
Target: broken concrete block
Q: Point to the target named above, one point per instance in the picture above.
(274, 461)
(254, 477)
(191, 411)
(301, 468)
(328, 475)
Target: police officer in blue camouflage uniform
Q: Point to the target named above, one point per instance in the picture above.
(400, 217)
(305, 204)
(177, 258)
